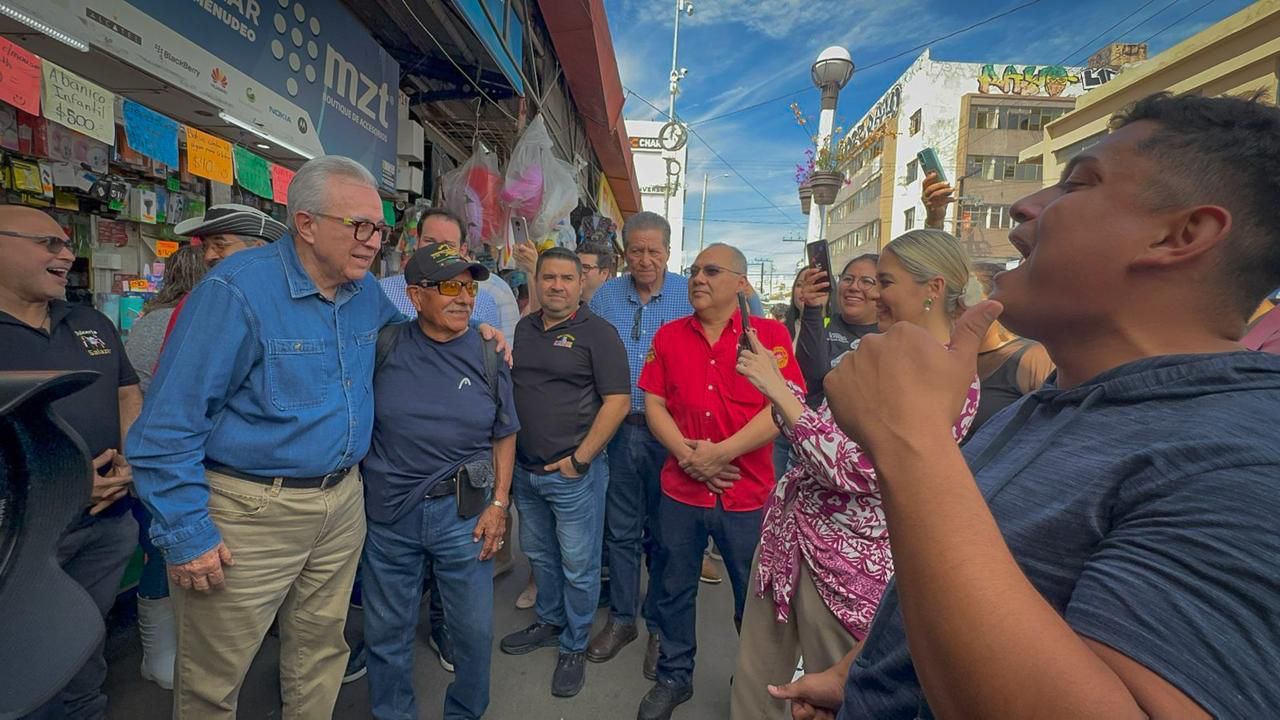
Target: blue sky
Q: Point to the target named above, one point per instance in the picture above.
(741, 52)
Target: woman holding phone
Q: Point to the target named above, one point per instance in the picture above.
(822, 338)
(824, 560)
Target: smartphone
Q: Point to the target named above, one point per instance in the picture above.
(744, 343)
(819, 257)
(519, 230)
(929, 163)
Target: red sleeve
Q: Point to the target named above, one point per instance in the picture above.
(173, 319)
(774, 335)
(653, 376)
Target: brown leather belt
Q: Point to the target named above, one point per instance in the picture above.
(635, 419)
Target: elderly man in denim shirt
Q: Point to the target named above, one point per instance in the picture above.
(246, 449)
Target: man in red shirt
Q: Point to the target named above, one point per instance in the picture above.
(718, 430)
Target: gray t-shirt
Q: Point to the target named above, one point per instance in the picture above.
(146, 338)
(1142, 505)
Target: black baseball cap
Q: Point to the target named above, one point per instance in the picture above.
(436, 262)
(52, 625)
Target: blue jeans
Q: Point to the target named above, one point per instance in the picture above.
(781, 456)
(561, 530)
(631, 509)
(395, 559)
(684, 530)
(153, 584)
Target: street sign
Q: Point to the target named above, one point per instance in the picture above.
(673, 136)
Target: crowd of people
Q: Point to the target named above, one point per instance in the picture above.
(944, 488)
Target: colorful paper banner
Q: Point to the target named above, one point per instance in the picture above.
(151, 133)
(280, 179)
(252, 173)
(19, 77)
(83, 106)
(209, 157)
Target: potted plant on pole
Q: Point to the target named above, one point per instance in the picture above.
(803, 171)
(824, 178)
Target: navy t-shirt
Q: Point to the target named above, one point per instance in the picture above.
(433, 411)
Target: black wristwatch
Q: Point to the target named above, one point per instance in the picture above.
(579, 467)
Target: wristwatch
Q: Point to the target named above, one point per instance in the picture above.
(579, 467)
(500, 505)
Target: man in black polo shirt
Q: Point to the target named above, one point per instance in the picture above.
(39, 330)
(572, 390)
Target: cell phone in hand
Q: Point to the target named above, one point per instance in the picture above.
(819, 256)
(929, 163)
(519, 230)
(744, 343)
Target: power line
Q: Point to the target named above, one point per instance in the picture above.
(760, 104)
(952, 34)
(1179, 20)
(454, 63)
(1099, 36)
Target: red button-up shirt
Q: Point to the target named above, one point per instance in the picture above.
(709, 400)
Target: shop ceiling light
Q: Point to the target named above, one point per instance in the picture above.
(265, 135)
(43, 27)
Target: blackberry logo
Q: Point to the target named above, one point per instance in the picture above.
(297, 43)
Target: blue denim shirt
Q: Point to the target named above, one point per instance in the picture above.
(261, 373)
(636, 323)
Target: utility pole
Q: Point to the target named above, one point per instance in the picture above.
(677, 74)
(702, 221)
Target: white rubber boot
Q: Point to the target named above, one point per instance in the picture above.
(158, 628)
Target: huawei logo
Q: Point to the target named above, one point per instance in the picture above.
(219, 78)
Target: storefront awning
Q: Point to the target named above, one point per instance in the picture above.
(580, 33)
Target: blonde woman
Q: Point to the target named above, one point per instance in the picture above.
(824, 557)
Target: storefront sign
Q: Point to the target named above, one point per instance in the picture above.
(19, 78)
(151, 133)
(307, 73)
(208, 156)
(73, 101)
(280, 179)
(252, 173)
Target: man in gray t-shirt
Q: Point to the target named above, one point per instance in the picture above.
(1104, 547)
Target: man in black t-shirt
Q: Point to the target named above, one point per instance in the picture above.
(39, 330)
(572, 390)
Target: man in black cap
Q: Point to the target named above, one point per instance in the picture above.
(41, 331)
(227, 229)
(437, 485)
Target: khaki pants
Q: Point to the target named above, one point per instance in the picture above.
(768, 650)
(295, 554)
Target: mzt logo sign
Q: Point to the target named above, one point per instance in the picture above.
(298, 44)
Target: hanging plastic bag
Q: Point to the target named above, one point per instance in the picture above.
(540, 187)
(473, 191)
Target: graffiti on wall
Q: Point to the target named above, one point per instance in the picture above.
(1049, 80)
(886, 108)
(1091, 78)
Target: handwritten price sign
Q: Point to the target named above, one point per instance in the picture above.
(74, 102)
(209, 157)
(19, 78)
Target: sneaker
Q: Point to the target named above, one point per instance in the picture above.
(570, 675)
(529, 597)
(661, 700)
(442, 644)
(537, 635)
(710, 574)
(357, 664)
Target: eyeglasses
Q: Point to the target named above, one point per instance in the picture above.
(363, 230)
(589, 268)
(52, 243)
(862, 282)
(452, 288)
(635, 327)
(710, 270)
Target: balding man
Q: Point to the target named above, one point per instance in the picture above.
(41, 331)
(718, 431)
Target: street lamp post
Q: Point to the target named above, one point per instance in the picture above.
(830, 72)
(702, 218)
(677, 74)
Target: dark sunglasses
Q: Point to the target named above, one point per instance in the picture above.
(452, 288)
(710, 271)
